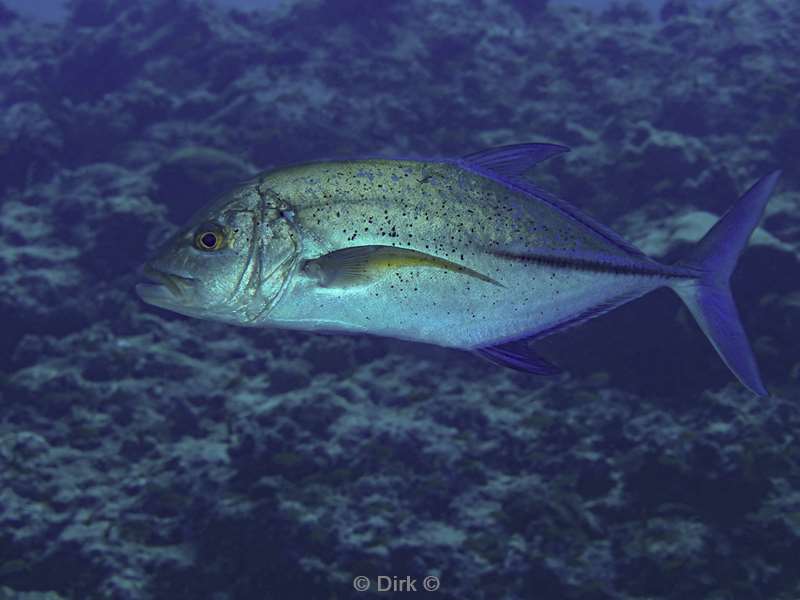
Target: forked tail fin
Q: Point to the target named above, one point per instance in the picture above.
(709, 296)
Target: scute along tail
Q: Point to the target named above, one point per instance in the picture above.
(709, 297)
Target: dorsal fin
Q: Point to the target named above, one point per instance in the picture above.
(513, 160)
(507, 164)
(573, 211)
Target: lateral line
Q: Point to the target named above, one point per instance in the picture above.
(582, 264)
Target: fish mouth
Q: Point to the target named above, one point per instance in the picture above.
(167, 289)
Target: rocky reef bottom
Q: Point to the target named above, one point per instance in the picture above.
(143, 464)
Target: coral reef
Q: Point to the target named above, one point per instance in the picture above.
(144, 455)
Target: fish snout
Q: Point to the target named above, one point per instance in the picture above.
(165, 286)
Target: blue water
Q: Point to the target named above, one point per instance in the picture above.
(147, 455)
(54, 10)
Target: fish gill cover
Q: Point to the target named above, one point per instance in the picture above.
(144, 455)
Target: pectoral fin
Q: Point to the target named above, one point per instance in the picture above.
(360, 265)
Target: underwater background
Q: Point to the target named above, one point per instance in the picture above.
(144, 455)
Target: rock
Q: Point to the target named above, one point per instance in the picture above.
(192, 176)
(146, 455)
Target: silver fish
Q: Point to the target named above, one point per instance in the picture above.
(462, 253)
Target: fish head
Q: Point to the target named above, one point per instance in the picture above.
(230, 263)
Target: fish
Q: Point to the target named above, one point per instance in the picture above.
(464, 253)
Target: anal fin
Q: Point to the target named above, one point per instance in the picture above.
(518, 356)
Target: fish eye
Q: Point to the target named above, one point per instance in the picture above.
(209, 238)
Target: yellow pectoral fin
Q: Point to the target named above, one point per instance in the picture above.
(360, 265)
